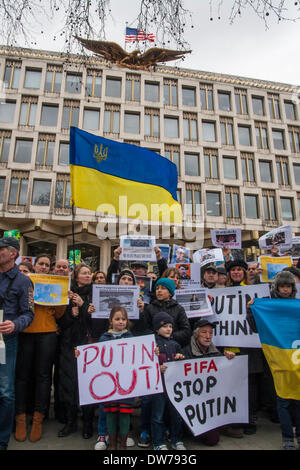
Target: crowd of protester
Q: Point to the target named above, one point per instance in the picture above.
(41, 358)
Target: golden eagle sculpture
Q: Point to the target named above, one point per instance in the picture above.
(114, 53)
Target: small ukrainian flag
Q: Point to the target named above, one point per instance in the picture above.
(104, 170)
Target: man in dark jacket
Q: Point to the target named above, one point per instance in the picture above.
(16, 299)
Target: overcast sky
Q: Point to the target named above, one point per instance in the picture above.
(244, 48)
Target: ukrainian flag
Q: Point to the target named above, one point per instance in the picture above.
(103, 170)
(278, 325)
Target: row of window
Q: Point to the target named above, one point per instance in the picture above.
(113, 88)
(132, 124)
(41, 193)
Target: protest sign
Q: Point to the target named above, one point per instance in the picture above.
(180, 254)
(271, 265)
(145, 284)
(106, 296)
(194, 301)
(230, 309)
(118, 369)
(137, 248)
(190, 274)
(294, 251)
(2, 344)
(25, 259)
(207, 255)
(280, 237)
(50, 289)
(228, 238)
(165, 251)
(209, 392)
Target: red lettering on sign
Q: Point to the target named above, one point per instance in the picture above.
(187, 368)
(133, 354)
(150, 355)
(110, 356)
(121, 390)
(96, 397)
(203, 365)
(122, 344)
(86, 362)
(147, 374)
(212, 365)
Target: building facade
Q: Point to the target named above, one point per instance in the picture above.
(235, 142)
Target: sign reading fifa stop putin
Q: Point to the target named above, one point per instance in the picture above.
(118, 369)
(209, 392)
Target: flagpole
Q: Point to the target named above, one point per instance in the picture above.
(126, 23)
(73, 234)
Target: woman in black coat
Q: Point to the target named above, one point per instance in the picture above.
(75, 329)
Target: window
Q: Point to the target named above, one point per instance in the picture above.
(91, 119)
(209, 131)
(151, 91)
(265, 169)
(287, 210)
(213, 204)
(93, 83)
(132, 123)
(73, 83)
(63, 193)
(290, 110)
(232, 203)
(33, 79)
(151, 123)
(226, 131)
(245, 135)
(133, 87)
(18, 190)
(23, 151)
(5, 139)
(2, 185)
(274, 107)
(113, 87)
(251, 206)
(269, 205)
(170, 93)
(111, 119)
(211, 164)
(41, 193)
(229, 167)
(248, 167)
(28, 111)
(278, 139)
(261, 136)
(294, 136)
(7, 111)
(297, 173)
(258, 105)
(192, 200)
(241, 101)
(282, 171)
(224, 101)
(191, 163)
(171, 127)
(173, 154)
(49, 115)
(12, 74)
(206, 97)
(53, 79)
(188, 96)
(45, 150)
(190, 130)
(63, 156)
(70, 115)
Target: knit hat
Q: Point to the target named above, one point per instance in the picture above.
(168, 283)
(292, 269)
(128, 273)
(160, 319)
(139, 264)
(238, 262)
(285, 277)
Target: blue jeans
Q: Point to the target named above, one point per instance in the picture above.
(160, 402)
(146, 404)
(102, 427)
(286, 409)
(7, 390)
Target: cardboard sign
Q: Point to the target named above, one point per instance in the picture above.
(209, 392)
(118, 369)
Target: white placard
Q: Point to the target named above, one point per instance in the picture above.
(118, 369)
(207, 255)
(180, 254)
(230, 309)
(2, 344)
(106, 296)
(280, 237)
(194, 301)
(227, 238)
(209, 392)
(137, 248)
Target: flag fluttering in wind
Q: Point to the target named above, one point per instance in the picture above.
(134, 34)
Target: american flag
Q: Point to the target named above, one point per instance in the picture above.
(133, 34)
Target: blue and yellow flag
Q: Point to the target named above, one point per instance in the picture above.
(122, 179)
(278, 325)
